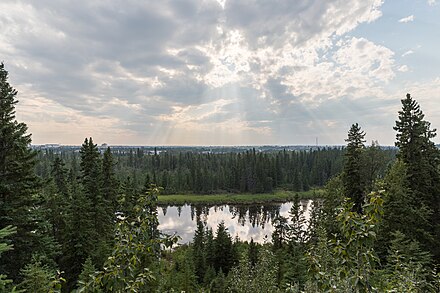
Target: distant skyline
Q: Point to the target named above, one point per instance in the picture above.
(219, 72)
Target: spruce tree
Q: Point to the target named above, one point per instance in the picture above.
(59, 175)
(56, 200)
(223, 250)
(198, 252)
(421, 159)
(18, 181)
(252, 253)
(418, 152)
(80, 236)
(6, 284)
(354, 186)
(109, 197)
(100, 209)
(84, 231)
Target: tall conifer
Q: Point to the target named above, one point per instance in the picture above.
(354, 186)
(421, 159)
(18, 181)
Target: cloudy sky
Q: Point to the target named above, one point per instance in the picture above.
(219, 72)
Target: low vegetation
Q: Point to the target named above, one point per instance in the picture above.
(232, 198)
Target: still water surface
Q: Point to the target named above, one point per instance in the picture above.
(244, 221)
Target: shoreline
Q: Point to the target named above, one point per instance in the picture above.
(279, 196)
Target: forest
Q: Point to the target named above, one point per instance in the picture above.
(87, 221)
(205, 173)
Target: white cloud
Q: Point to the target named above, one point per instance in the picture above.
(162, 69)
(409, 52)
(432, 2)
(357, 68)
(403, 68)
(409, 18)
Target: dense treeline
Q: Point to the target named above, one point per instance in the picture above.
(248, 172)
(80, 229)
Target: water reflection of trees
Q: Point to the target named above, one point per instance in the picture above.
(256, 215)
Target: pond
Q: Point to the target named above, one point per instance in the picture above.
(242, 221)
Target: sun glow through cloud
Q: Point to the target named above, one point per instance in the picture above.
(217, 72)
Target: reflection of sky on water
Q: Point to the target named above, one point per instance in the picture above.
(246, 222)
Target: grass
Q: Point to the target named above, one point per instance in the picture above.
(231, 198)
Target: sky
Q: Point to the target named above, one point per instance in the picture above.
(219, 72)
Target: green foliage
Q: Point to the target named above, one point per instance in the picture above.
(39, 278)
(253, 253)
(347, 263)
(136, 251)
(227, 198)
(407, 268)
(199, 252)
(6, 284)
(219, 285)
(88, 211)
(261, 277)
(209, 276)
(18, 181)
(403, 211)
(421, 183)
(354, 184)
(192, 172)
(297, 230)
(5, 232)
(374, 165)
(182, 276)
(280, 234)
(333, 199)
(87, 277)
(109, 183)
(224, 257)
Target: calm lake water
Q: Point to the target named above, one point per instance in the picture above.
(244, 221)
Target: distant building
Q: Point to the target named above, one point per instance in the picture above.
(52, 145)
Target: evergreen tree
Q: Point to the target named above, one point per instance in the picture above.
(90, 172)
(294, 266)
(56, 195)
(280, 233)
(109, 182)
(198, 252)
(5, 284)
(18, 181)
(259, 278)
(421, 158)
(86, 216)
(87, 276)
(80, 237)
(402, 211)
(374, 164)
(59, 175)
(209, 276)
(131, 266)
(100, 212)
(253, 253)
(218, 285)
(128, 197)
(209, 248)
(354, 185)
(40, 278)
(224, 256)
(333, 199)
(407, 268)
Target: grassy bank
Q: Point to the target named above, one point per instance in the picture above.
(229, 198)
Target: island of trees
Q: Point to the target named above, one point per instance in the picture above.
(87, 221)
